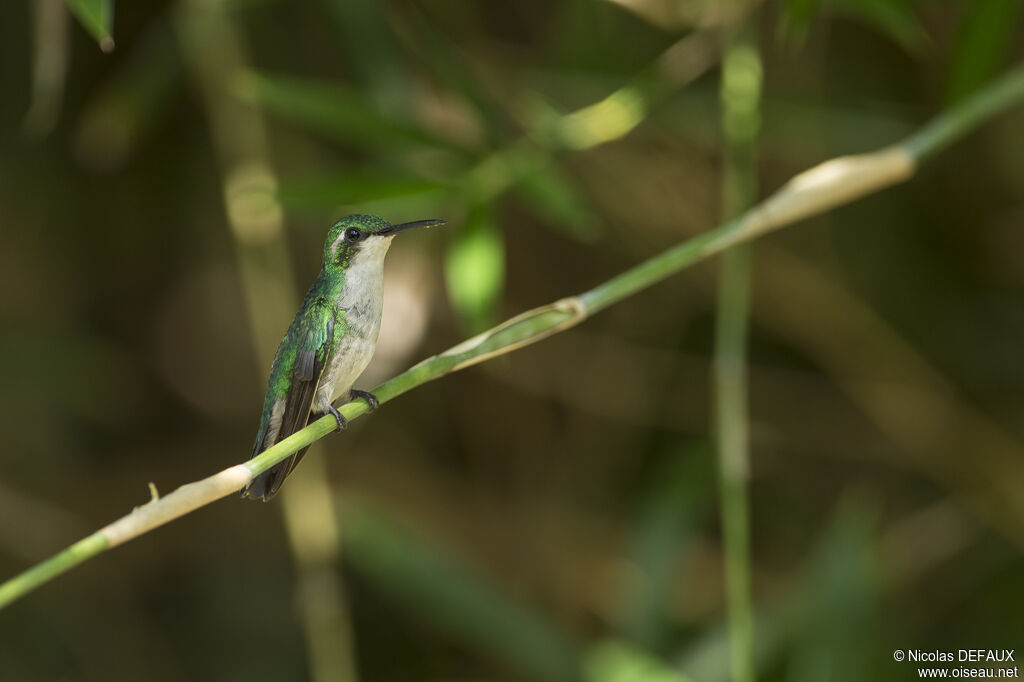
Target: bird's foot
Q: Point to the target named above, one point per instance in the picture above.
(342, 422)
(370, 398)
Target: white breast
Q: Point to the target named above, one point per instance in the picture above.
(362, 300)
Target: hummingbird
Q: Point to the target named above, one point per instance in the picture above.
(330, 342)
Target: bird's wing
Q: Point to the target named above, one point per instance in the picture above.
(314, 335)
(313, 332)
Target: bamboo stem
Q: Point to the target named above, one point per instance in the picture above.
(740, 94)
(826, 186)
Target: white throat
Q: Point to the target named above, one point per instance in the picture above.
(364, 276)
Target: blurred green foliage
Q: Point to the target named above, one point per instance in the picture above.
(550, 516)
(986, 39)
(475, 269)
(895, 19)
(97, 17)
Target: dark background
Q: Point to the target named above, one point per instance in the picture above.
(552, 514)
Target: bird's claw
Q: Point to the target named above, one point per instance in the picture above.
(370, 398)
(342, 422)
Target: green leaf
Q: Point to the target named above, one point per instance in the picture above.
(845, 579)
(617, 661)
(133, 99)
(669, 514)
(369, 47)
(983, 45)
(475, 269)
(97, 17)
(443, 60)
(797, 16)
(330, 190)
(453, 598)
(840, 576)
(332, 110)
(554, 196)
(893, 18)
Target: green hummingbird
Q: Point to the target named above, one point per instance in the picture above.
(330, 341)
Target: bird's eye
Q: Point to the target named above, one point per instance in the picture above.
(353, 235)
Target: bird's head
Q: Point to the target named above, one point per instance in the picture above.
(359, 238)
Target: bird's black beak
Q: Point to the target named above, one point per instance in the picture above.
(392, 229)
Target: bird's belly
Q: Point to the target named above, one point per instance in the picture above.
(350, 358)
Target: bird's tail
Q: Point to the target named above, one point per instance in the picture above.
(266, 485)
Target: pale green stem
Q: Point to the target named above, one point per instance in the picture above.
(947, 128)
(740, 92)
(832, 184)
(730, 381)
